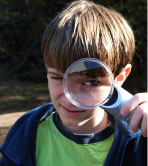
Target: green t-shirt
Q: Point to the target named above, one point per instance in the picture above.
(54, 149)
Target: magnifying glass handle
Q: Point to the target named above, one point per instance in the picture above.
(118, 99)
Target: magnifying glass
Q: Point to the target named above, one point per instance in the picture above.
(89, 83)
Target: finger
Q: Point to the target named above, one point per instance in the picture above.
(144, 124)
(136, 119)
(133, 103)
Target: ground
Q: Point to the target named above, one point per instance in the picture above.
(18, 97)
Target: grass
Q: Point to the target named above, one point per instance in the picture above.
(18, 96)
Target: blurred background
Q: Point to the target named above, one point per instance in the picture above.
(23, 83)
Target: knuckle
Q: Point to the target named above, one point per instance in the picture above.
(140, 108)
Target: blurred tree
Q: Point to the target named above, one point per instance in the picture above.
(22, 26)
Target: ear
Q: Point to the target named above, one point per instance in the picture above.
(121, 77)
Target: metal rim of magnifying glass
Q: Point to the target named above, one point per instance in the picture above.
(75, 102)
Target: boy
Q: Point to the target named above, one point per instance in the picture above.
(60, 133)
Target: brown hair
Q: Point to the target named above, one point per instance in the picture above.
(85, 29)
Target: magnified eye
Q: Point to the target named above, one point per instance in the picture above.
(92, 83)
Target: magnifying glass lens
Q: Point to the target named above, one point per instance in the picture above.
(88, 83)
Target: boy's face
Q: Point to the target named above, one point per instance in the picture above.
(70, 115)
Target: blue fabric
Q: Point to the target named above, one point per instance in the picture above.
(128, 149)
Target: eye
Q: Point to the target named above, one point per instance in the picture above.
(92, 83)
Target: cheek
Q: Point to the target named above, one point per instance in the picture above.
(55, 90)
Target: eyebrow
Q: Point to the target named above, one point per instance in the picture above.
(52, 72)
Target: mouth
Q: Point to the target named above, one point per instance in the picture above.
(72, 112)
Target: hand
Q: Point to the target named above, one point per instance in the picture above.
(139, 102)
